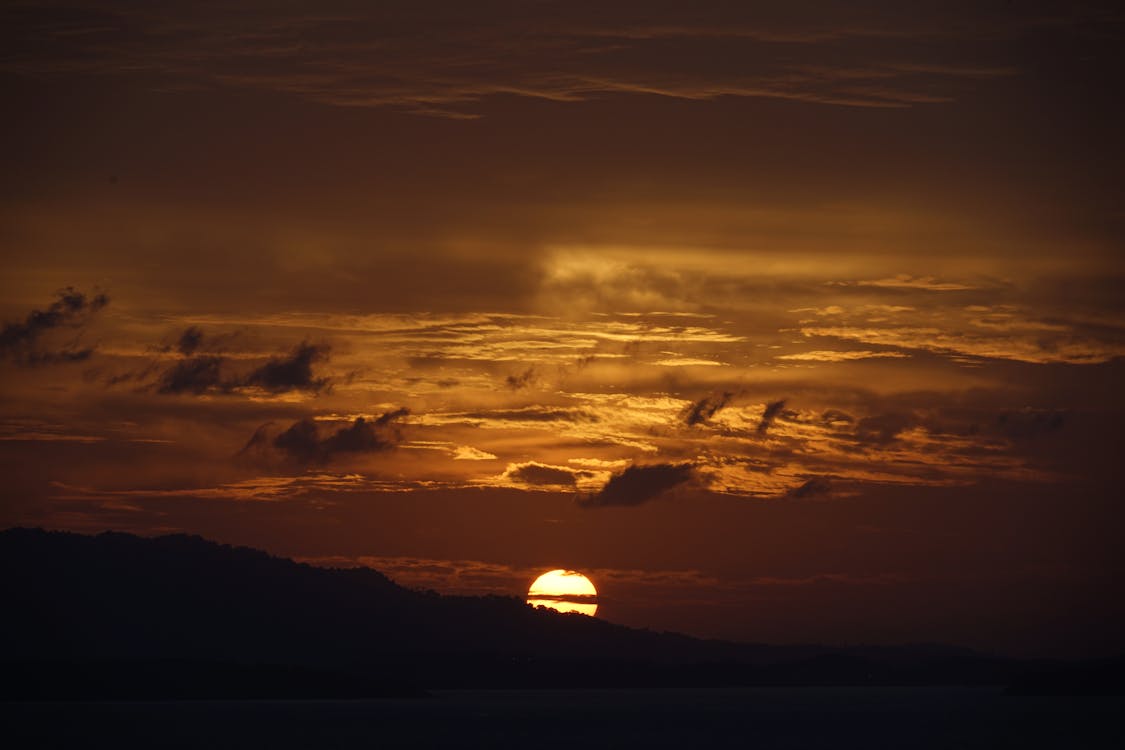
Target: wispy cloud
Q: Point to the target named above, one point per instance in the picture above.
(22, 342)
(706, 407)
(989, 332)
(905, 281)
(438, 62)
(256, 489)
(1067, 348)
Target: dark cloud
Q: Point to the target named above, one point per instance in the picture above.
(534, 414)
(523, 380)
(391, 416)
(882, 428)
(769, 414)
(21, 341)
(61, 356)
(639, 484)
(535, 473)
(192, 341)
(189, 341)
(208, 373)
(258, 449)
(193, 375)
(291, 373)
(706, 407)
(1030, 423)
(834, 417)
(810, 488)
(303, 443)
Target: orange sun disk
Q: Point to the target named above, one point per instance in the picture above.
(564, 591)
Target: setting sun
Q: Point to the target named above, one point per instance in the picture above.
(565, 591)
(328, 327)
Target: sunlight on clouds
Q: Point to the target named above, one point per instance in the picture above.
(256, 489)
(599, 463)
(468, 453)
(822, 355)
(533, 475)
(689, 362)
(567, 400)
(905, 281)
(1027, 348)
(456, 452)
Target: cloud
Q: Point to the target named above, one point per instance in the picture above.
(469, 453)
(208, 373)
(189, 341)
(769, 414)
(810, 488)
(1014, 326)
(291, 373)
(303, 443)
(883, 428)
(508, 417)
(964, 334)
(254, 489)
(21, 341)
(599, 463)
(825, 355)
(60, 356)
(706, 407)
(193, 375)
(639, 484)
(523, 380)
(1030, 423)
(434, 60)
(835, 417)
(905, 281)
(536, 474)
(391, 416)
(688, 362)
(359, 437)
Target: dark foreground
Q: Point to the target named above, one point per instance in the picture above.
(759, 718)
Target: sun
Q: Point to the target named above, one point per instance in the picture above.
(565, 591)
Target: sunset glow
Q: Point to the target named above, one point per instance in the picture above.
(785, 322)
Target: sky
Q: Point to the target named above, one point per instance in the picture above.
(782, 322)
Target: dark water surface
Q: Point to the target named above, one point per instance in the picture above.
(745, 718)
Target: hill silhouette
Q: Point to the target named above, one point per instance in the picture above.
(178, 616)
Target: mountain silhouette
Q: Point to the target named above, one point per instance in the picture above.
(121, 615)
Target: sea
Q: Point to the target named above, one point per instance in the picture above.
(766, 718)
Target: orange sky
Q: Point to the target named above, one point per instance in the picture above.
(796, 324)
